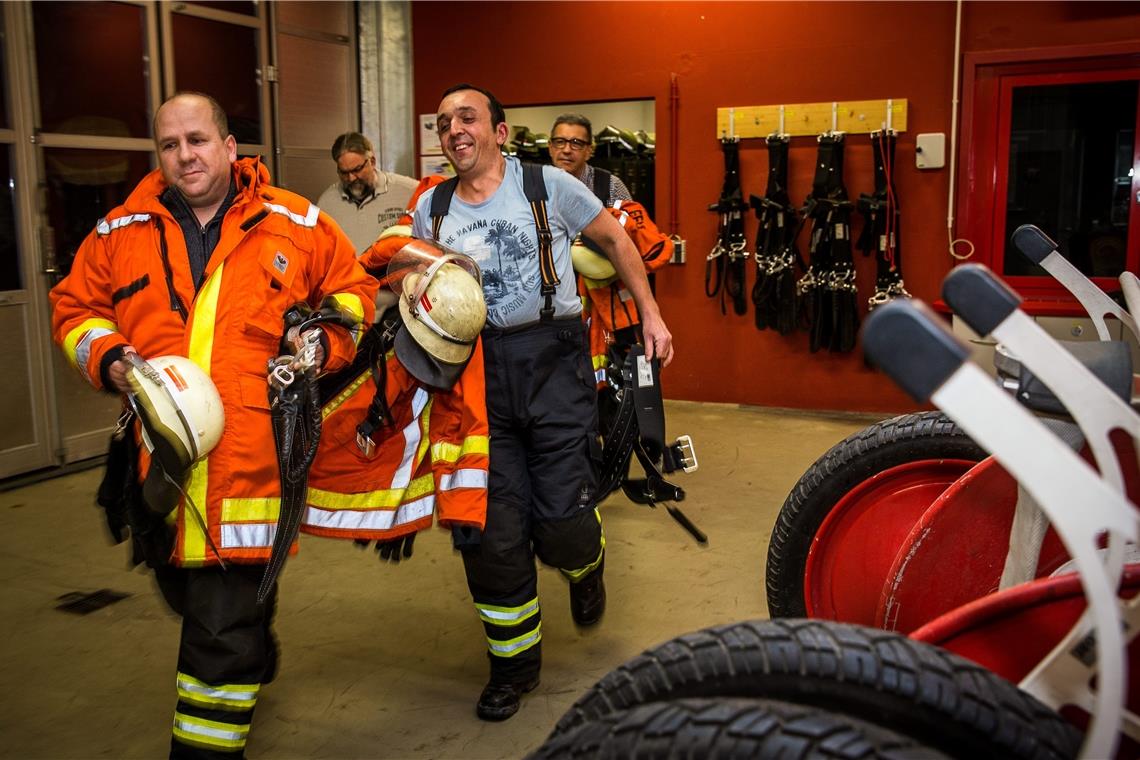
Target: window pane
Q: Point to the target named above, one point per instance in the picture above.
(221, 60)
(9, 252)
(91, 68)
(3, 75)
(83, 185)
(1070, 171)
(232, 6)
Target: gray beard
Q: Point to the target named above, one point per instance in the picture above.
(358, 191)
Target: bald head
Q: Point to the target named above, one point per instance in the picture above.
(217, 115)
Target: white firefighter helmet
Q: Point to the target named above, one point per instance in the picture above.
(180, 409)
(441, 299)
(591, 264)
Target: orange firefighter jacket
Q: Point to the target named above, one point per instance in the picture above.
(607, 305)
(375, 258)
(431, 458)
(130, 285)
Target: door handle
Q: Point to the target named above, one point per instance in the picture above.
(47, 251)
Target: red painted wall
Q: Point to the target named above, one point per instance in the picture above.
(741, 54)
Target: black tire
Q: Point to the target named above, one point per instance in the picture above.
(729, 728)
(890, 443)
(937, 698)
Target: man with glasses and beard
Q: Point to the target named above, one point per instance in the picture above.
(365, 200)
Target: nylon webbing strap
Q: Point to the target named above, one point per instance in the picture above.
(378, 413)
(827, 291)
(774, 293)
(535, 190)
(441, 204)
(724, 266)
(881, 232)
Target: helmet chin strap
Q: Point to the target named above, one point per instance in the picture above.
(151, 374)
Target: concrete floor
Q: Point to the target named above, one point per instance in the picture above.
(382, 661)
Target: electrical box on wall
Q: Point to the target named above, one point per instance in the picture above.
(930, 150)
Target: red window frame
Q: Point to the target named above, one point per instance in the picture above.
(989, 80)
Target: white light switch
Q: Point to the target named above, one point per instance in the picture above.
(930, 150)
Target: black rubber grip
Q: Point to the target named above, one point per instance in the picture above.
(979, 297)
(909, 342)
(1034, 243)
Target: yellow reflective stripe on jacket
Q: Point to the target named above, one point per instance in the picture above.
(240, 696)
(350, 302)
(383, 499)
(512, 647)
(77, 344)
(202, 322)
(495, 615)
(599, 361)
(445, 451)
(255, 509)
(211, 734)
(345, 395)
(249, 523)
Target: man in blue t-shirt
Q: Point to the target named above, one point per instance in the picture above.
(541, 400)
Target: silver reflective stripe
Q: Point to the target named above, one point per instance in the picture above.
(237, 734)
(513, 647)
(106, 228)
(373, 519)
(600, 375)
(468, 478)
(248, 535)
(500, 616)
(412, 437)
(309, 220)
(203, 690)
(83, 348)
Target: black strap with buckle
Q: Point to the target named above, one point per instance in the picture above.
(774, 293)
(827, 290)
(881, 231)
(724, 266)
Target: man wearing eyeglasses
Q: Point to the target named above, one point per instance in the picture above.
(364, 201)
(571, 146)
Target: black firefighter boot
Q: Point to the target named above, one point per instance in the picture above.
(588, 596)
(510, 679)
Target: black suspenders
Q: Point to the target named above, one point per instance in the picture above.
(534, 188)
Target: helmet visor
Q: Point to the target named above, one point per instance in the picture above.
(418, 256)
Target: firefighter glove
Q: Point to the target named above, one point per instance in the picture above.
(396, 549)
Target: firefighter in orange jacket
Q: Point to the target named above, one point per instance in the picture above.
(203, 260)
(405, 430)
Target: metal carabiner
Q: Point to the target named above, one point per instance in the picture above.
(281, 375)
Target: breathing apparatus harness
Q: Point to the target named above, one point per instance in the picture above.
(827, 291)
(724, 266)
(774, 294)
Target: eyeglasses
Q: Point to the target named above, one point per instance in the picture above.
(558, 143)
(346, 173)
